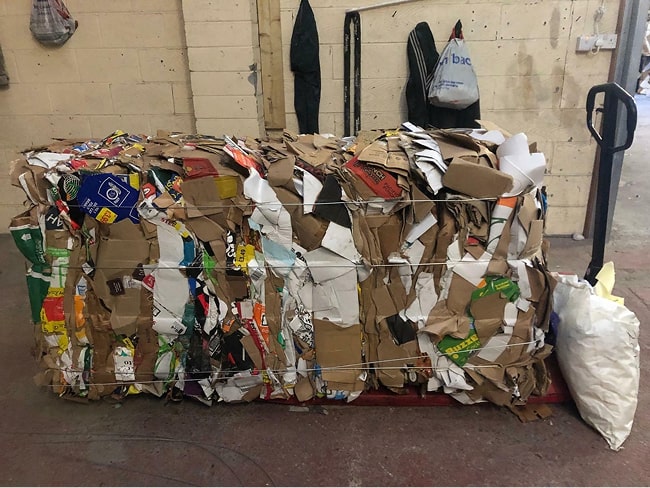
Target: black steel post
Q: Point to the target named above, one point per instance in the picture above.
(346, 74)
(357, 73)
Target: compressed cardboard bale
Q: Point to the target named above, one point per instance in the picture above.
(342, 267)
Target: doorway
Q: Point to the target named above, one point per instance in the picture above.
(633, 16)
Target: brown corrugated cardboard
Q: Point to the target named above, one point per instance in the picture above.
(476, 181)
(336, 353)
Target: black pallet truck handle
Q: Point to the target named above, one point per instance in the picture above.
(616, 91)
(614, 96)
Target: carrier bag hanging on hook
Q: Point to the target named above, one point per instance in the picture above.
(51, 23)
(454, 82)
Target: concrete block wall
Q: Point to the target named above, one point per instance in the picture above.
(531, 79)
(125, 68)
(223, 52)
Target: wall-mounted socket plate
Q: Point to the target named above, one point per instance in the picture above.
(590, 43)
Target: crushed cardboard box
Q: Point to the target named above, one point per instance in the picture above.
(230, 269)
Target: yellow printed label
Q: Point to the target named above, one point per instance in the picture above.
(53, 292)
(127, 342)
(244, 255)
(106, 216)
(52, 326)
(134, 180)
(226, 186)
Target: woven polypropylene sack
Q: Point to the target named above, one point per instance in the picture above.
(598, 352)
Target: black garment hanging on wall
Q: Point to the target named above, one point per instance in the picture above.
(422, 58)
(305, 64)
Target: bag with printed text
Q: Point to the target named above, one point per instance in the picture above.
(51, 23)
(454, 82)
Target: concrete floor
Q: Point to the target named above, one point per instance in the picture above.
(48, 441)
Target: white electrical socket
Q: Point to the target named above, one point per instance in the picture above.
(609, 41)
(590, 43)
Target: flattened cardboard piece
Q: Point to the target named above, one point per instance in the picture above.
(515, 351)
(476, 181)
(422, 206)
(398, 162)
(238, 286)
(442, 322)
(498, 264)
(537, 283)
(321, 141)
(273, 307)
(336, 300)
(393, 144)
(365, 138)
(397, 290)
(450, 150)
(338, 351)
(415, 231)
(488, 391)
(125, 312)
(365, 239)
(488, 307)
(309, 229)
(534, 242)
(376, 152)
(460, 295)
(303, 389)
(198, 168)
(486, 328)
(545, 298)
(281, 172)
(384, 303)
(527, 210)
(471, 216)
(206, 229)
(146, 350)
(102, 371)
(252, 350)
(31, 179)
(203, 195)
(148, 229)
(356, 187)
(381, 182)
(475, 250)
(164, 200)
(253, 394)
(391, 358)
(530, 413)
(390, 236)
(306, 151)
(117, 256)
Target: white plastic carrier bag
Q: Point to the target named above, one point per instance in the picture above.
(454, 83)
